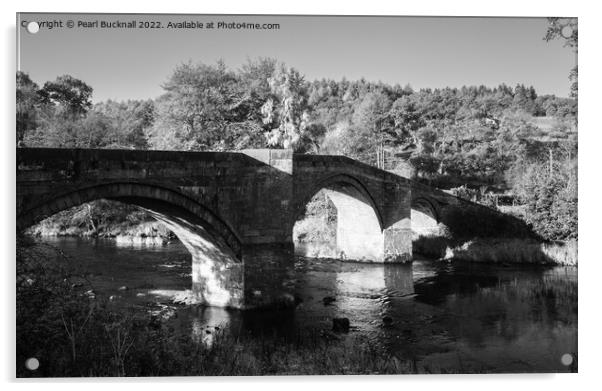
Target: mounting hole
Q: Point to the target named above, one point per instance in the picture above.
(566, 359)
(567, 31)
(32, 364)
(33, 27)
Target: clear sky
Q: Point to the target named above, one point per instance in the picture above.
(422, 51)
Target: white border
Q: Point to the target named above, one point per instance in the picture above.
(590, 141)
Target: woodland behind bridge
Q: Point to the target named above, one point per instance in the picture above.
(478, 140)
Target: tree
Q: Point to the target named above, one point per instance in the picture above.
(406, 119)
(551, 200)
(574, 89)
(196, 108)
(68, 96)
(567, 29)
(372, 120)
(27, 105)
(372, 112)
(129, 121)
(97, 131)
(254, 78)
(143, 117)
(285, 111)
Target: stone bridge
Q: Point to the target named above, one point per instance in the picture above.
(235, 211)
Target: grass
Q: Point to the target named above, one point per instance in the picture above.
(562, 253)
(525, 251)
(98, 342)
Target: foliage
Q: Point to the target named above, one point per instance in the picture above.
(67, 96)
(522, 251)
(285, 109)
(61, 114)
(474, 136)
(264, 103)
(550, 194)
(101, 218)
(498, 250)
(555, 30)
(567, 29)
(127, 122)
(196, 106)
(28, 102)
(318, 224)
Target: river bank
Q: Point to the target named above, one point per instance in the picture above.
(499, 251)
(144, 233)
(487, 250)
(314, 235)
(104, 219)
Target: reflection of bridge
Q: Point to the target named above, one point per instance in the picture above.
(234, 212)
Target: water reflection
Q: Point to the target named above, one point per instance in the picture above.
(371, 281)
(206, 322)
(370, 287)
(140, 242)
(452, 317)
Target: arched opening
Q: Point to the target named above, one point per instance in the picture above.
(338, 219)
(430, 236)
(217, 273)
(424, 219)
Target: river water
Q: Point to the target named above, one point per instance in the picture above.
(445, 316)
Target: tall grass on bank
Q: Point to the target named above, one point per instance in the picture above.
(499, 250)
(563, 253)
(130, 346)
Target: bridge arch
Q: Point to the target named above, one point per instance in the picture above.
(425, 217)
(146, 196)
(215, 247)
(337, 181)
(359, 224)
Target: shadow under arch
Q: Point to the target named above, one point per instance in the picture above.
(217, 271)
(359, 224)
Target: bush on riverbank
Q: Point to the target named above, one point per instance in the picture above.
(550, 197)
(517, 251)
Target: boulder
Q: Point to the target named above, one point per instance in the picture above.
(340, 325)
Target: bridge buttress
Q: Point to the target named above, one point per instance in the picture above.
(397, 230)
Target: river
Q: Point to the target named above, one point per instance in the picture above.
(464, 317)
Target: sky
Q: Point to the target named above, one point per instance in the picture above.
(424, 52)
